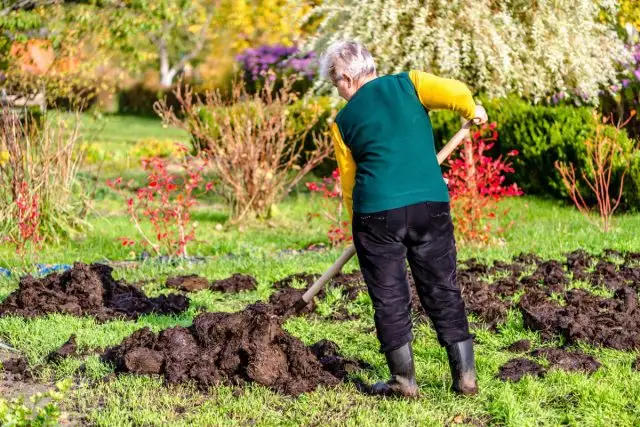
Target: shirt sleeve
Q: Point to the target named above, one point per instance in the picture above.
(437, 93)
(347, 167)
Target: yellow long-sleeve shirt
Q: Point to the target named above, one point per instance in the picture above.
(434, 93)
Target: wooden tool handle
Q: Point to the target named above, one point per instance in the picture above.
(328, 275)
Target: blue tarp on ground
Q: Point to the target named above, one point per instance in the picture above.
(42, 269)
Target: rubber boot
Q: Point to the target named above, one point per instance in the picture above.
(463, 368)
(403, 374)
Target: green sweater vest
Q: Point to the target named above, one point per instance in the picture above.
(390, 137)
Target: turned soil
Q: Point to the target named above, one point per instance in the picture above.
(521, 346)
(546, 304)
(587, 318)
(251, 345)
(67, 349)
(86, 290)
(233, 348)
(194, 283)
(515, 369)
(534, 286)
(15, 378)
(570, 361)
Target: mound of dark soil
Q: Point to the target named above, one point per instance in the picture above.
(235, 283)
(86, 290)
(521, 346)
(606, 322)
(283, 302)
(193, 283)
(578, 262)
(549, 274)
(327, 353)
(189, 283)
(18, 366)
(480, 299)
(515, 369)
(285, 298)
(67, 349)
(570, 361)
(233, 348)
(605, 273)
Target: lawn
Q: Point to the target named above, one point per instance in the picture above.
(265, 249)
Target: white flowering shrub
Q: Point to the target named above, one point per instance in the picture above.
(535, 49)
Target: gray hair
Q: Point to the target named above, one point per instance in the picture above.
(346, 57)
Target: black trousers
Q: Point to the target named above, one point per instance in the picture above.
(423, 234)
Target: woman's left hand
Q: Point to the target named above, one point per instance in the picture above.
(480, 116)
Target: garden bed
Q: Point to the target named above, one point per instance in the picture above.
(232, 349)
(250, 346)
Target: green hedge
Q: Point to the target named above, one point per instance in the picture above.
(542, 135)
(139, 98)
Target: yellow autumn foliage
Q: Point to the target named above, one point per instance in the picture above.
(241, 24)
(630, 13)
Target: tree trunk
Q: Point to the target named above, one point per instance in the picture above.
(166, 73)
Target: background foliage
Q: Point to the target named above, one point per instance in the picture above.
(532, 49)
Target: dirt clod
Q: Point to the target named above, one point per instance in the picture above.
(599, 321)
(283, 302)
(521, 346)
(327, 353)
(188, 283)
(550, 274)
(86, 290)
(67, 349)
(235, 283)
(233, 348)
(17, 366)
(570, 361)
(284, 299)
(480, 299)
(515, 369)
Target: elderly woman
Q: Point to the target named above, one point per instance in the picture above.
(399, 205)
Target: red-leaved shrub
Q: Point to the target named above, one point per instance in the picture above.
(331, 191)
(166, 202)
(476, 183)
(27, 206)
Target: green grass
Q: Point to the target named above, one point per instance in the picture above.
(110, 141)
(611, 396)
(547, 228)
(118, 129)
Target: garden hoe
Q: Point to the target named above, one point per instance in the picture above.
(457, 139)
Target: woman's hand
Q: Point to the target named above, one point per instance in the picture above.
(480, 117)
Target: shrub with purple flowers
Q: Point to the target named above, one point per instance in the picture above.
(623, 97)
(275, 62)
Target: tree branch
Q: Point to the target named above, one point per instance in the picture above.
(197, 48)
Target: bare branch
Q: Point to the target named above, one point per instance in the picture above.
(601, 156)
(197, 48)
